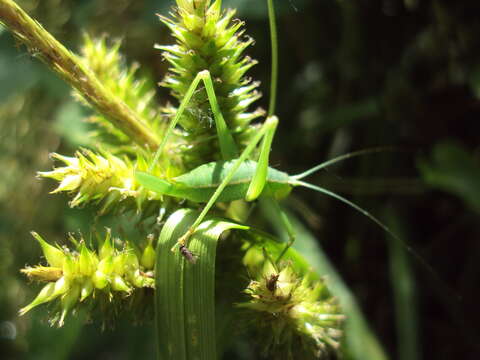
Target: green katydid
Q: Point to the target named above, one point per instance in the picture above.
(237, 178)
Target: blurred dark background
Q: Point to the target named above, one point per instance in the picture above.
(353, 75)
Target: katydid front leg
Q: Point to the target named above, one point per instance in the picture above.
(283, 217)
(258, 180)
(228, 147)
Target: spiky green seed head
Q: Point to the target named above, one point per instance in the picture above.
(132, 262)
(295, 317)
(118, 284)
(137, 91)
(92, 177)
(62, 286)
(208, 38)
(83, 277)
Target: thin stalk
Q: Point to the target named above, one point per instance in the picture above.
(71, 69)
(274, 45)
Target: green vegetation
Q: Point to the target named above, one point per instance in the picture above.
(228, 287)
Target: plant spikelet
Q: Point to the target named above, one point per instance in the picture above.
(92, 178)
(125, 83)
(303, 321)
(102, 277)
(208, 38)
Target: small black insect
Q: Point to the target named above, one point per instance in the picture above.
(191, 258)
(271, 282)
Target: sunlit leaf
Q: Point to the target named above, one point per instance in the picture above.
(184, 295)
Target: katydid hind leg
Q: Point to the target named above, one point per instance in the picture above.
(174, 122)
(260, 177)
(227, 144)
(228, 148)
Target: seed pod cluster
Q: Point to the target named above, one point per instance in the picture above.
(296, 319)
(125, 82)
(208, 38)
(108, 178)
(74, 277)
(107, 173)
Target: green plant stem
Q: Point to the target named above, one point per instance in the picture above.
(40, 42)
(274, 49)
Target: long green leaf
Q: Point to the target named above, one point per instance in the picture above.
(185, 294)
(403, 286)
(169, 311)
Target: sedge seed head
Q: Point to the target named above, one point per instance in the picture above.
(84, 279)
(295, 314)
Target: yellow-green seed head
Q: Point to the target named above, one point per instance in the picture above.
(208, 38)
(120, 264)
(92, 177)
(137, 91)
(83, 278)
(132, 263)
(302, 320)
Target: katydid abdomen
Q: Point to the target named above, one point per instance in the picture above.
(199, 184)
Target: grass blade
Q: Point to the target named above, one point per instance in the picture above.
(185, 293)
(169, 311)
(403, 286)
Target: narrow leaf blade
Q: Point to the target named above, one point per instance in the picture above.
(185, 292)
